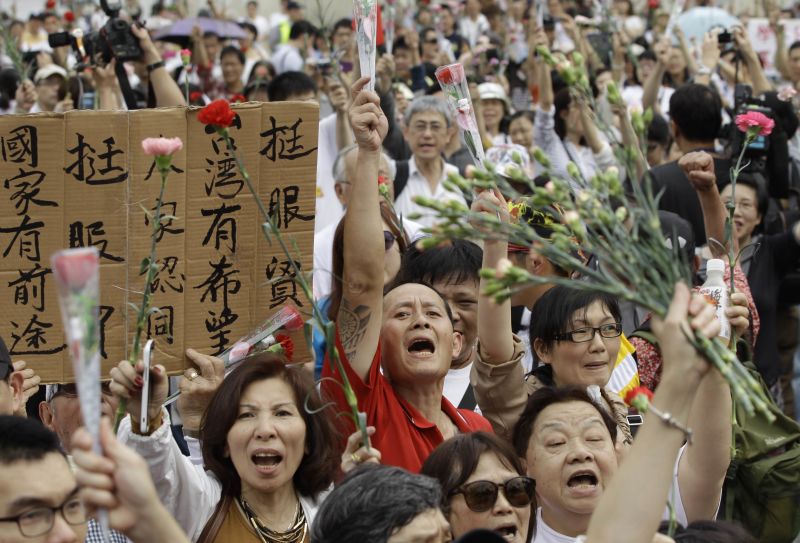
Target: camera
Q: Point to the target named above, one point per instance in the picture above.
(725, 37)
(114, 40)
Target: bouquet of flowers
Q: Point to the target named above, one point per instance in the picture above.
(263, 338)
(454, 84)
(77, 275)
(366, 15)
(635, 263)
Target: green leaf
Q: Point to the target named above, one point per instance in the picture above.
(144, 265)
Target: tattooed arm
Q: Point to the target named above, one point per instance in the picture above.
(359, 318)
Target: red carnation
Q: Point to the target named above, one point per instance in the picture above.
(76, 267)
(653, 4)
(287, 345)
(218, 114)
(236, 98)
(639, 397)
(195, 96)
(69, 16)
(51, 4)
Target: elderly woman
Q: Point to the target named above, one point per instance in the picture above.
(484, 485)
(268, 460)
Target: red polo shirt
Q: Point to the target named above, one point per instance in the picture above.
(402, 434)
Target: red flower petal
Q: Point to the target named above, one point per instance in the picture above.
(287, 345)
(76, 267)
(218, 113)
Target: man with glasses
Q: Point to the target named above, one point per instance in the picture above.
(38, 493)
(428, 129)
(61, 413)
(10, 384)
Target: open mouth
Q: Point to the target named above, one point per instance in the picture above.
(509, 532)
(422, 345)
(266, 460)
(582, 480)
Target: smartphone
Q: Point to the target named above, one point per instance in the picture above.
(144, 419)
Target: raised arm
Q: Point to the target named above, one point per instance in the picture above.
(760, 82)
(619, 518)
(360, 313)
(699, 169)
(709, 58)
(495, 333)
(653, 83)
(165, 88)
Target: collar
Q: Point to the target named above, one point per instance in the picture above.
(412, 167)
(418, 419)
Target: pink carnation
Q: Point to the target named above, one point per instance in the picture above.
(161, 146)
(186, 56)
(754, 119)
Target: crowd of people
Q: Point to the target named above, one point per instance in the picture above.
(485, 421)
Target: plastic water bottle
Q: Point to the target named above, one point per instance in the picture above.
(716, 292)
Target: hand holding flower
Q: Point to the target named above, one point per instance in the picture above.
(127, 383)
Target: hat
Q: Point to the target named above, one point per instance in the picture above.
(5, 361)
(47, 71)
(494, 91)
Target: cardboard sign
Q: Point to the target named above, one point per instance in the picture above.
(82, 179)
(765, 41)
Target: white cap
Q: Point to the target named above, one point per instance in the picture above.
(715, 264)
(47, 71)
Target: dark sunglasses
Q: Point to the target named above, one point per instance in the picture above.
(388, 240)
(481, 496)
(432, 41)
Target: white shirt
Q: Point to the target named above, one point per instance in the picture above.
(287, 59)
(328, 208)
(456, 383)
(323, 256)
(632, 95)
(418, 186)
(472, 30)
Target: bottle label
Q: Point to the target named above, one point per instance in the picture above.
(718, 297)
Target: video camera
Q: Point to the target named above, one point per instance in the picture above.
(757, 152)
(114, 40)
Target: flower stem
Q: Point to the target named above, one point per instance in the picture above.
(144, 307)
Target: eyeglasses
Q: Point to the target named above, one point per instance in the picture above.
(481, 496)
(582, 335)
(40, 521)
(422, 127)
(388, 240)
(431, 41)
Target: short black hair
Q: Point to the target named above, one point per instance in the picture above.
(398, 282)
(249, 26)
(210, 34)
(289, 84)
(300, 28)
(658, 131)
(552, 313)
(372, 503)
(709, 531)
(232, 50)
(697, 111)
(25, 439)
(794, 45)
(457, 262)
(544, 398)
(401, 43)
(344, 22)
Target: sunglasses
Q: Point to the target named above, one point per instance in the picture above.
(432, 41)
(388, 240)
(481, 496)
(70, 390)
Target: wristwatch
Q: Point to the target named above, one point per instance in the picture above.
(703, 70)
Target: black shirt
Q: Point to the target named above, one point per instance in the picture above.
(679, 195)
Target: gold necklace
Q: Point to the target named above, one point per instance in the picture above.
(296, 533)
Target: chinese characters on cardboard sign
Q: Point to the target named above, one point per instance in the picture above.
(82, 179)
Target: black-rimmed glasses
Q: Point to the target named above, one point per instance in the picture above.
(481, 496)
(40, 520)
(582, 335)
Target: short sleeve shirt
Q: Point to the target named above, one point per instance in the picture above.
(402, 434)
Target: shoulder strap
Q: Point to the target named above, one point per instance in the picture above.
(211, 529)
(400, 177)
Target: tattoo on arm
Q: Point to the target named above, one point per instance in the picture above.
(352, 326)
